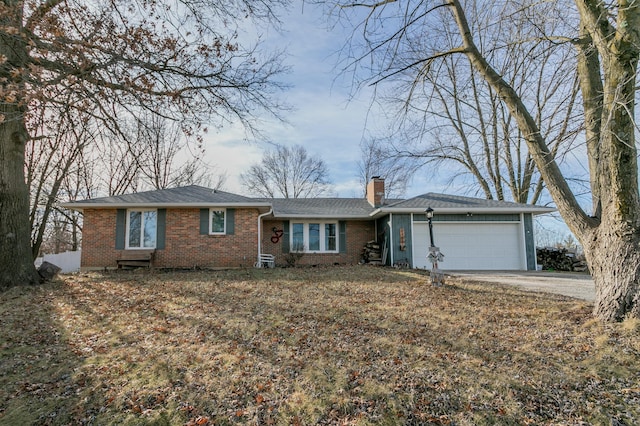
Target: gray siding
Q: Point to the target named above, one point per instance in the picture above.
(383, 236)
(465, 218)
(402, 252)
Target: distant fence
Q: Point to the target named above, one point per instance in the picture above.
(69, 261)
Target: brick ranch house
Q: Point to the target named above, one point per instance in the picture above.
(194, 226)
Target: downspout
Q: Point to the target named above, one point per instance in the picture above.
(523, 232)
(260, 216)
(390, 223)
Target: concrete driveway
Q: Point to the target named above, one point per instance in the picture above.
(573, 284)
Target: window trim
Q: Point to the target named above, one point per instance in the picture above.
(322, 236)
(128, 228)
(215, 209)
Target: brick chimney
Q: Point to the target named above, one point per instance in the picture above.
(375, 191)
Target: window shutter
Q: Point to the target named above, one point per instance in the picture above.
(343, 236)
(121, 231)
(204, 221)
(231, 221)
(161, 226)
(285, 236)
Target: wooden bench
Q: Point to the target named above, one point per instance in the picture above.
(135, 258)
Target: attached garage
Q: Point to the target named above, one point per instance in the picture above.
(472, 233)
(471, 245)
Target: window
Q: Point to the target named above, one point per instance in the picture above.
(142, 228)
(297, 237)
(330, 237)
(314, 237)
(217, 221)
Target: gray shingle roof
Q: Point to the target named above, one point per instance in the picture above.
(185, 195)
(445, 201)
(356, 208)
(321, 207)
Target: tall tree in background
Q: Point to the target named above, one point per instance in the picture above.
(453, 119)
(378, 160)
(164, 158)
(606, 39)
(69, 160)
(448, 117)
(52, 157)
(288, 173)
(114, 60)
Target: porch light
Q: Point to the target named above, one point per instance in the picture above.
(429, 212)
(434, 255)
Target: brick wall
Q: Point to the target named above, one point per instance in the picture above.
(358, 234)
(99, 239)
(184, 246)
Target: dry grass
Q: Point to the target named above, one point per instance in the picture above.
(344, 345)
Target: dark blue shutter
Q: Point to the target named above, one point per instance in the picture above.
(285, 236)
(231, 221)
(121, 228)
(204, 221)
(161, 227)
(343, 236)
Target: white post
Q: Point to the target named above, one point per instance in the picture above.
(260, 216)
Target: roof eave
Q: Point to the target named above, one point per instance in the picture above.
(454, 210)
(319, 216)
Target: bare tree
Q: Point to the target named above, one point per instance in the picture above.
(77, 185)
(461, 125)
(115, 60)
(289, 173)
(607, 48)
(451, 118)
(378, 160)
(165, 159)
(51, 157)
(83, 159)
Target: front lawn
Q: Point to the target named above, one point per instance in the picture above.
(344, 345)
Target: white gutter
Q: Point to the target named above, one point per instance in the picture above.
(523, 244)
(260, 216)
(459, 210)
(390, 248)
(322, 216)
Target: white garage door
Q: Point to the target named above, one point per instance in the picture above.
(468, 246)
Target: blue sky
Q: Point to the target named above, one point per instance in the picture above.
(326, 120)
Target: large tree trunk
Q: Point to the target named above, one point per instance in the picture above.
(611, 238)
(613, 254)
(16, 261)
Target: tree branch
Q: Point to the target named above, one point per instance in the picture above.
(556, 184)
